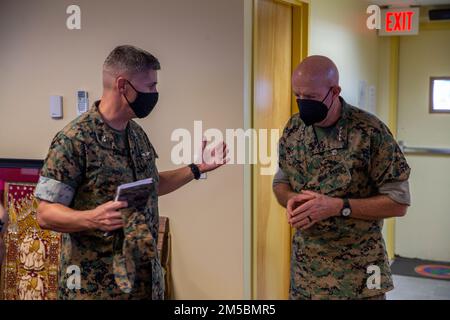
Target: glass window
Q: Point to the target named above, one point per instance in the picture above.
(439, 94)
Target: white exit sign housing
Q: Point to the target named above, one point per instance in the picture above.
(399, 22)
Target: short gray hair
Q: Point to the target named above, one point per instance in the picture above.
(131, 60)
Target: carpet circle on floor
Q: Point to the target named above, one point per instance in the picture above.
(434, 271)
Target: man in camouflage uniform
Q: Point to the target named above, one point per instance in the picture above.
(340, 174)
(113, 244)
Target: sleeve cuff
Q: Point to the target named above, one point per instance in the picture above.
(397, 191)
(54, 191)
(280, 177)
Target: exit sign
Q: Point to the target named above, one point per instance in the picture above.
(399, 22)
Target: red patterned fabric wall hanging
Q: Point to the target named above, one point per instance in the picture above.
(30, 269)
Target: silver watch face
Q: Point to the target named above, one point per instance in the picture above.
(346, 212)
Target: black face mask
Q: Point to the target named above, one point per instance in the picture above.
(144, 102)
(313, 111)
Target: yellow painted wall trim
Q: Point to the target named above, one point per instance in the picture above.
(248, 178)
(392, 123)
(393, 83)
(300, 33)
(254, 266)
(432, 26)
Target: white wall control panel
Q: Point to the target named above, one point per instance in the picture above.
(56, 108)
(362, 95)
(82, 102)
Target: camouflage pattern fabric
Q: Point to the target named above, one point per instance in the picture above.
(135, 239)
(86, 162)
(351, 159)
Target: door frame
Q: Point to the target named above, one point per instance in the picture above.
(299, 52)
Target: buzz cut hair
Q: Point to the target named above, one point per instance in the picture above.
(131, 60)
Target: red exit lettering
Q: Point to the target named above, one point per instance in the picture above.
(399, 21)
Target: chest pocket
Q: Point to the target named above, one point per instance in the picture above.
(143, 155)
(145, 163)
(107, 164)
(329, 175)
(292, 161)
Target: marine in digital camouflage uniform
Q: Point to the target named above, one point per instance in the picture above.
(356, 158)
(86, 162)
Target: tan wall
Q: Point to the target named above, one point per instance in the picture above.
(200, 46)
(420, 57)
(424, 231)
(384, 61)
(338, 30)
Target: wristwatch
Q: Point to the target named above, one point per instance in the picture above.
(346, 209)
(1, 225)
(196, 171)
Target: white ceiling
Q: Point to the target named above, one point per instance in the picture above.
(410, 2)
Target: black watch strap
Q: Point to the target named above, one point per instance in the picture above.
(346, 203)
(195, 170)
(1, 225)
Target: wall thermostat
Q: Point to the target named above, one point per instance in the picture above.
(82, 102)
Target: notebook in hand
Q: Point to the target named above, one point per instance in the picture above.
(135, 193)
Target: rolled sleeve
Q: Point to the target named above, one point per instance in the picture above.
(54, 191)
(62, 172)
(280, 177)
(397, 191)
